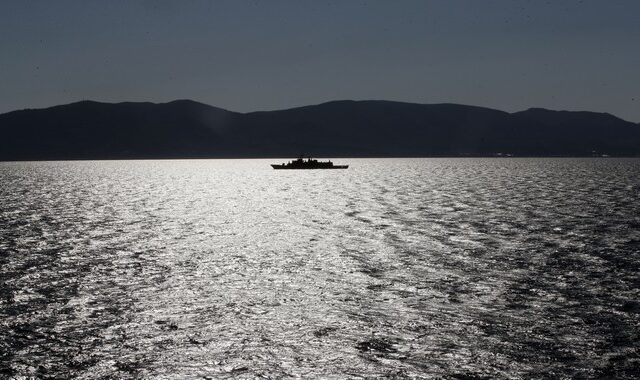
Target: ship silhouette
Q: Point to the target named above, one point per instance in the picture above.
(309, 163)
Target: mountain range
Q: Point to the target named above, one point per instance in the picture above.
(371, 128)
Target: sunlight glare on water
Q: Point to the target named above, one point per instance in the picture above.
(413, 268)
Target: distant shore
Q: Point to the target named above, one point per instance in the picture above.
(186, 129)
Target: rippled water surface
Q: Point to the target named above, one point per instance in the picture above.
(405, 268)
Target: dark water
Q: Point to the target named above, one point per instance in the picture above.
(422, 268)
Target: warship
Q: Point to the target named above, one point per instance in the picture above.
(309, 163)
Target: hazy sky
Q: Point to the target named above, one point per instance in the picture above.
(261, 55)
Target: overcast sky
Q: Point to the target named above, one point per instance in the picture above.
(263, 55)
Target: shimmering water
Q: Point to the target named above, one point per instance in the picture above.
(406, 268)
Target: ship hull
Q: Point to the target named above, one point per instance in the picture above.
(278, 167)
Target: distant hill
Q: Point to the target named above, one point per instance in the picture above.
(188, 129)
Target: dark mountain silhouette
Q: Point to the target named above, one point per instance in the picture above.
(188, 129)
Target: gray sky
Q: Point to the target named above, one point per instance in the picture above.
(262, 55)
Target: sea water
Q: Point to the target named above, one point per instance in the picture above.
(407, 268)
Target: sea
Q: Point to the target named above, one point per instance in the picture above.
(429, 268)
